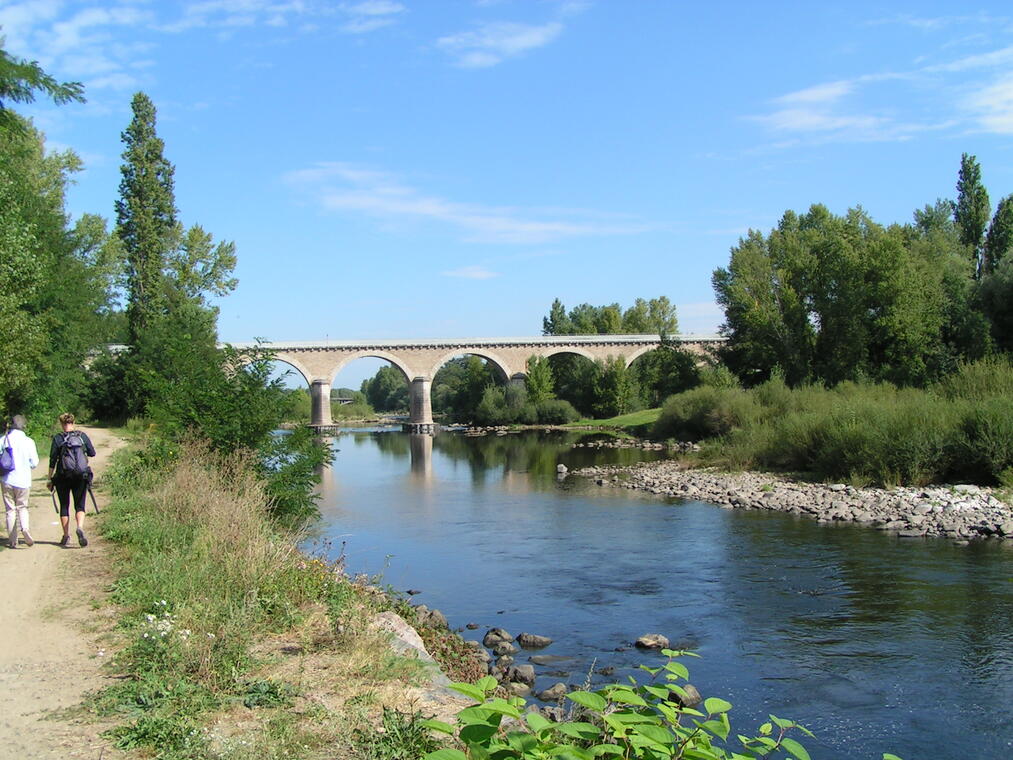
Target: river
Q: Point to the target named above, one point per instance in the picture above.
(875, 644)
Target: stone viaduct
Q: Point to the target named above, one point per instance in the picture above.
(319, 362)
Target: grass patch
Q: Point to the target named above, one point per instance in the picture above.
(234, 644)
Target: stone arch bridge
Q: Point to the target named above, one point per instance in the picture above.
(319, 362)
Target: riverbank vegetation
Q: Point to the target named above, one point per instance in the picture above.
(959, 429)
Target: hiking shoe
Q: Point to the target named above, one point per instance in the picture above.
(29, 541)
(12, 542)
(64, 541)
(80, 538)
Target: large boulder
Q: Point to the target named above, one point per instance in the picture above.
(652, 641)
(689, 697)
(494, 636)
(503, 648)
(554, 693)
(521, 674)
(533, 641)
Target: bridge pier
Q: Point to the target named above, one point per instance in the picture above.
(320, 403)
(420, 406)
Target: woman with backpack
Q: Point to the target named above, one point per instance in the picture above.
(70, 474)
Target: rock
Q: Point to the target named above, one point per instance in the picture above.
(518, 689)
(554, 693)
(690, 698)
(547, 659)
(533, 641)
(521, 674)
(606, 671)
(413, 591)
(472, 626)
(561, 469)
(965, 488)
(494, 636)
(1006, 528)
(652, 641)
(504, 647)
(505, 661)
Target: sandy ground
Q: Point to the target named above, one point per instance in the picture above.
(53, 623)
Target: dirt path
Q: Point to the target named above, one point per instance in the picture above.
(53, 628)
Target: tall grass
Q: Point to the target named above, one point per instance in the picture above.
(961, 428)
(204, 573)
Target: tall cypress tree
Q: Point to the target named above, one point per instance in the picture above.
(999, 240)
(145, 216)
(972, 209)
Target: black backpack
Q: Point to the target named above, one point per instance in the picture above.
(73, 463)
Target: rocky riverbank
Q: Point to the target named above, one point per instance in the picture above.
(958, 512)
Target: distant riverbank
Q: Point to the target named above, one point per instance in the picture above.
(958, 512)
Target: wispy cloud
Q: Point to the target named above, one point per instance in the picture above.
(474, 272)
(994, 106)
(232, 14)
(493, 43)
(350, 189)
(370, 15)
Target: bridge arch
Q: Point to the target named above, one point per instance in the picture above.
(562, 351)
(294, 363)
(481, 353)
(373, 354)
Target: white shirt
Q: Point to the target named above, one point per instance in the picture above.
(26, 459)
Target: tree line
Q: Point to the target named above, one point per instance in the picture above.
(146, 281)
(827, 298)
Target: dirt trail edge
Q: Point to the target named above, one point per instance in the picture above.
(53, 624)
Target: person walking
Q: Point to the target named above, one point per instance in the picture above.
(18, 481)
(70, 474)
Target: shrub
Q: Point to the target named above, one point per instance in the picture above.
(705, 412)
(984, 451)
(555, 412)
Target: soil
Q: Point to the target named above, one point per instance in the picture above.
(55, 628)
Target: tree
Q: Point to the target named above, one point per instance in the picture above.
(614, 388)
(539, 381)
(972, 209)
(145, 216)
(999, 239)
(387, 390)
(20, 80)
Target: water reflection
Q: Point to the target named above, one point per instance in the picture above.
(878, 644)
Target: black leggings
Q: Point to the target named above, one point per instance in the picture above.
(78, 487)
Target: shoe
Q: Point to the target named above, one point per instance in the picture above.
(64, 541)
(80, 538)
(12, 542)
(29, 541)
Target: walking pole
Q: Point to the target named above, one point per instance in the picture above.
(94, 503)
(52, 495)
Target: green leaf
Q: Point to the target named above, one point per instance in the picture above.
(588, 699)
(522, 741)
(502, 707)
(714, 705)
(655, 734)
(661, 692)
(606, 749)
(795, 748)
(888, 756)
(677, 669)
(469, 690)
(446, 754)
(537, 722)
(765, 729)
(584, 731)
(626, 697)
(487, 684)
(477, 733)
(438, 725)
(780, 722)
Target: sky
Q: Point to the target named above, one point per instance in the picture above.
(409, 169)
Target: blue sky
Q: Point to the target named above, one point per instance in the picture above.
(390, 168)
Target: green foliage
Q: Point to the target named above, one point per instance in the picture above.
(539, 380)
(829, 298)
(645, 721)
(972, 209)
(960, 428)
(401, 736)
(460, 385)
(614, 388)
(387, 390)
(20, 80)
(556, 412)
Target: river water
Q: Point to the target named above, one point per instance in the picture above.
(876, 644)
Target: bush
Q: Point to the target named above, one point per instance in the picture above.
(984, 451)
(555, 412)
(705, 412)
